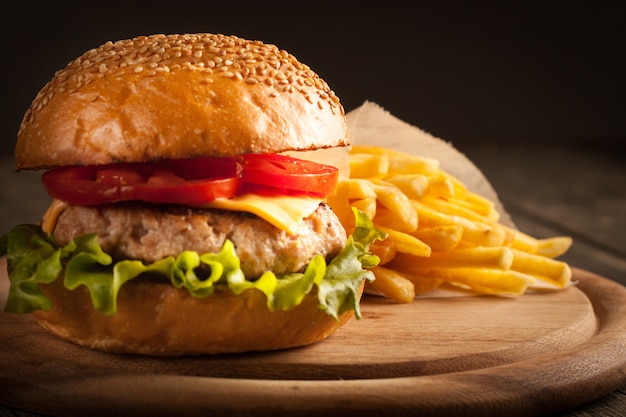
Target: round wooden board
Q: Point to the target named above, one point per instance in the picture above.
(434, 357)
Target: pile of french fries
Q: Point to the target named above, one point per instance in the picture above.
(440, 234)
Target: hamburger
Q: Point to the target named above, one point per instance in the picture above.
(188, 211)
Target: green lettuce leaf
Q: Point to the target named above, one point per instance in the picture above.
(34, 258)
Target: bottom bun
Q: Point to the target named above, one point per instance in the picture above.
(158, 319)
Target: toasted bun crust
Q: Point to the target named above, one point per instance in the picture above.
(161, 320)
(178, 96)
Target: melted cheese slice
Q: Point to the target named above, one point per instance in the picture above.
(284, 212)
(51, 215)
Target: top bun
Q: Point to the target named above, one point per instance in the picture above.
(178, 96)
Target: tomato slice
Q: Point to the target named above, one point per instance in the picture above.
(288, 174)
(189, 182)
(168, 188)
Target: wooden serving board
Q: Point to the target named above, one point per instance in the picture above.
(434, 357)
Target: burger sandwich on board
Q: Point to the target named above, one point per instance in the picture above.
(178, 223)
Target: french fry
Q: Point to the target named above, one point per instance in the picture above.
(399, 162)
(414, 186)
(487, 235)
(476, 234)
(366, 205)
(384, 249)
(405, 243)
(554, 247)
(440, 185)
(358, 188)
(455, 207)
(486, 211)
(550, 247)
(393, 285)
(429, 216)
(422, 284)
(394, 220)
(401, 215)
(478, 257)
(440, 238)
(482, 206)
(485, 280)
(546, 269)
(364, 165)
(524, 242)
(459, 189)
(409, 164)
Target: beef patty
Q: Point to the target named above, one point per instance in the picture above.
(150, 233)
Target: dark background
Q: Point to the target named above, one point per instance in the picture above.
(478, 74)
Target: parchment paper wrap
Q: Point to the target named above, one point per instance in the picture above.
(371, 125)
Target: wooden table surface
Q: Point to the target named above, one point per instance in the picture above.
(548, 190)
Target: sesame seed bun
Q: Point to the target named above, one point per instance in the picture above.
(178, 96)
